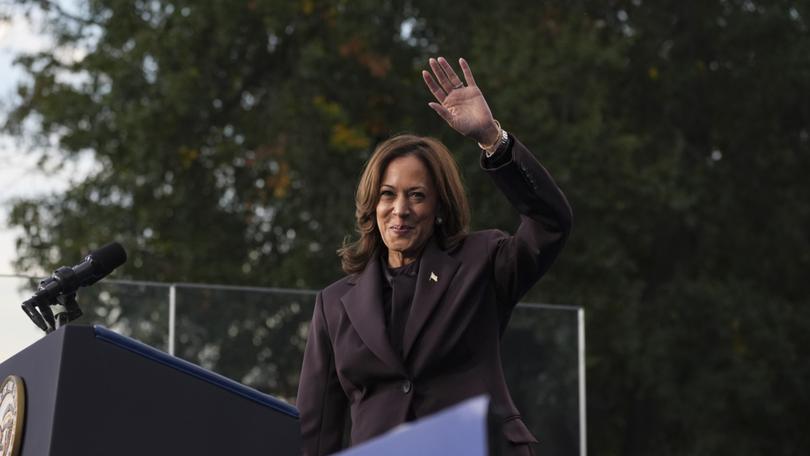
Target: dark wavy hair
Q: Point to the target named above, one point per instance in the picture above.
(452, 199)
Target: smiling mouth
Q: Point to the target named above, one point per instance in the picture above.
(401, 229)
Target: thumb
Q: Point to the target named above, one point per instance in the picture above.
(441, 111)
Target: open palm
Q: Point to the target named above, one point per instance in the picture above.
(462, 107)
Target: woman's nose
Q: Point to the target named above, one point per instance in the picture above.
(401, 208)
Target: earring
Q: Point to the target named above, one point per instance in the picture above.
(439, 220)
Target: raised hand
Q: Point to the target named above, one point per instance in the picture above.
(463, 107)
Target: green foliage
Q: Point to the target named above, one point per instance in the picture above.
(230, 136)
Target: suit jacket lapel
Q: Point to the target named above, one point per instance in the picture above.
(363, 304)
(436, 271)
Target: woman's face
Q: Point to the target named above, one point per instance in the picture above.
(406, 210)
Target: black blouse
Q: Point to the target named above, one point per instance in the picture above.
(398, 290)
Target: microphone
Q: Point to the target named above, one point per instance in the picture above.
(59, 290)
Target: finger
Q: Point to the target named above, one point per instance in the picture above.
(450, 72)
(441, 111)
(434, 88)
(440, 76)
(468, 76)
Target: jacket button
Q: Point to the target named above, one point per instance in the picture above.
(406, 386)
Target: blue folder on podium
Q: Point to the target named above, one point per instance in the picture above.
(464, 429)
(90, 391)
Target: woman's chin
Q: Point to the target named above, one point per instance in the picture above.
(399, 248)
(402, 249)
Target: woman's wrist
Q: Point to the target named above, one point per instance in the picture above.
(491, 134)
(499, 145)
(499, 139)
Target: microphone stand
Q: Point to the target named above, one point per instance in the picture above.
(50, 314)
(66, 310)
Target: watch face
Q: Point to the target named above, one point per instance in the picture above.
(12, 409)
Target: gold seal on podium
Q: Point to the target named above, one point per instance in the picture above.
(12, 415)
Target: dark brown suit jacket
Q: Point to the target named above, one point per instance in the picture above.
(462, 303)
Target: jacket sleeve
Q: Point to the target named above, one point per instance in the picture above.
(545, 222)
(321, 400)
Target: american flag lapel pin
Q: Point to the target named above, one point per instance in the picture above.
(434, 277)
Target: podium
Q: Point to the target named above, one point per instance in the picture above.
(90, 391)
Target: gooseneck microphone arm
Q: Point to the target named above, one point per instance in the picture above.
(54, 303)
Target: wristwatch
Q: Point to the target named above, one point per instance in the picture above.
(502, 142)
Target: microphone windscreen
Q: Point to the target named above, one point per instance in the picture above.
(108, 257)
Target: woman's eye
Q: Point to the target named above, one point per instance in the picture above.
(417, 195)
(386, 193)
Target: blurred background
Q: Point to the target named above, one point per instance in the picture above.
(220, 142)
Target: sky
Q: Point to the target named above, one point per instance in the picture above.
(19, 177)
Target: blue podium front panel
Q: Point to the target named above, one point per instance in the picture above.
(93, 392)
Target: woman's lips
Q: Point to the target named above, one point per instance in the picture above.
(401, 229)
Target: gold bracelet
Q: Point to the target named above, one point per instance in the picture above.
(497, 139)
(502, 143)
